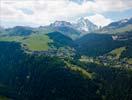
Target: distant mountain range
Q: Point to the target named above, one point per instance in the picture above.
(119, 24)
(117, 27)
(73, 30)
(83, 25)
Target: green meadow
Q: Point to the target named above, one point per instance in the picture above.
(37, 42)
(34, 42)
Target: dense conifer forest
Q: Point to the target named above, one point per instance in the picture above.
(29, 77)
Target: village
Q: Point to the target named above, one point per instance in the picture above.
(62, 52)
(107, 60)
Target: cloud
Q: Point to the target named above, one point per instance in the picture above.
(99, 20)
(113, 5)
(43, 12)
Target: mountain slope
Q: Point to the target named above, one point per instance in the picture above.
(19, 31)
(65, 28)
(74, 30)
(121, 23)
(85, 26)
(97, 44)
(118, 27)
(60, 40)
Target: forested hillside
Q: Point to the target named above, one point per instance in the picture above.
(97, 44)
(27, 77)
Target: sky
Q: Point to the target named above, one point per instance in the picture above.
(43, 12)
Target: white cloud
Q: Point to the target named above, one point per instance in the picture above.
(113, 5)
(47, 11)
(99, 20)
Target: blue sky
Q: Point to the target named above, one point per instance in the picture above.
(44, 12)
(119, 15)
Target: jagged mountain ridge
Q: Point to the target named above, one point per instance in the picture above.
(120, 23)
(120, 26)
(73, 30)
(84, 25)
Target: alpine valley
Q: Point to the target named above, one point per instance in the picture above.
(67, 61)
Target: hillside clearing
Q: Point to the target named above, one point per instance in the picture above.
(117, 52)
(79, 70)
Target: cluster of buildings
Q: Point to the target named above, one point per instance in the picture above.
(61, 53)
(114, 62)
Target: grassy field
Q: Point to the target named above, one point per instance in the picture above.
(34, 42)
(129, 61)
(37, 42)
(79, 70)
(117, 52)
(11, 38)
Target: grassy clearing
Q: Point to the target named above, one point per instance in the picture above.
(79, 70)
(11, 38)
(86, 59)
(129, 61)
(117, 52)
(34, 42)
(37, 42)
